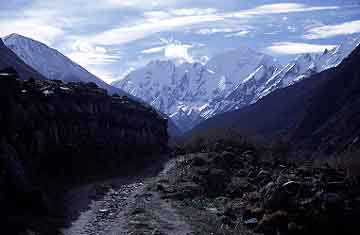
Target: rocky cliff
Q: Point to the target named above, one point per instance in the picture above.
(54, 134)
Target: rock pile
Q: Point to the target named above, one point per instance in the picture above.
(270, 197)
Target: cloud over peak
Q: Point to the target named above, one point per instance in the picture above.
(297, 48)
(174, 50)
(113, 35)
(327, 31)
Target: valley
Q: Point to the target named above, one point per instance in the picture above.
(209, 121)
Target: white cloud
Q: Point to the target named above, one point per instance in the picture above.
(326, 31)
(156, 15)
(127, 34)
(279, 8)
(178, 51)
(44, 32)
(137, 3)
(193, 11)
(172, 49)
(86, 54)
(238, 34)
(181, 12)
(96, 26)
(273, 32)
(159, 21)
(291, 28)
(78, 5)
(208, 31)
(153, 50)
(297, 48)
(103, 74)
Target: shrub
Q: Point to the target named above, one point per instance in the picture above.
(217, 139)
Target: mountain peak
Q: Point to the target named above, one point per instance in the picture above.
(51, 63)
(161, 63)
(173, 88)
(228, 81)
(15, 36)
(305, 57)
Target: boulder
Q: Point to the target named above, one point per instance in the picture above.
(198, 161)
(291, 187)
(273, 224)
(331, 201)
(215, 182)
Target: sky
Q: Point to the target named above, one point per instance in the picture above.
(112, 37)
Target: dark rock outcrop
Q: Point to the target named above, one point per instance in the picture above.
(55, 134)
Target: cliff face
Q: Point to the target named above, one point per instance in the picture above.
(54, 133)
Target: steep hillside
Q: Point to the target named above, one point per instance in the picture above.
(321, 112)
(51, 63)
(55, 134)
(332, 117)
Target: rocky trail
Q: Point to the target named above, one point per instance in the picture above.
(131, 208)
(104, 213)
(227, 192)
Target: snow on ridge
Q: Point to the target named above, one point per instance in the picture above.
(50, 62)
(229, 81)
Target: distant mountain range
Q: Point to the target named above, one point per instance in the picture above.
(191, 93)
(320, 114)
(188, 93)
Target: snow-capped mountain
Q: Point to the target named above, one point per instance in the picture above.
(191, 93)
(243, 94)
(51, 63)
(260, 84)
(48, 63)
(303, 66)
(184, 92)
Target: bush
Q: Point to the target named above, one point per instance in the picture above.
(217, 139)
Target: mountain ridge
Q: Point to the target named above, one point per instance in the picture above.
(237, 78)
(318, 114)
(184, 92)
(51, 63)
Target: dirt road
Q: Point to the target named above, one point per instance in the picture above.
(129, 209)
